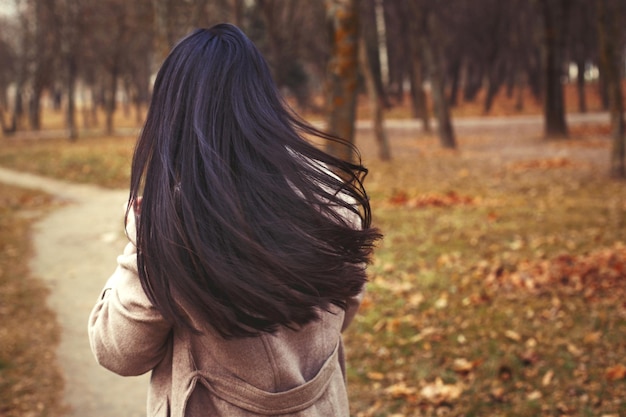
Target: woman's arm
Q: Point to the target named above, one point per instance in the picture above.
(127, 334)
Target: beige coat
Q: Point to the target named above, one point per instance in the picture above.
(295, 373)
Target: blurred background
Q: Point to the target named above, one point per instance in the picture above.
(78, 56)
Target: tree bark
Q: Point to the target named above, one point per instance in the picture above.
(495, 79)
(94, 106)
(419, 103)
(46, 45)
(237, 7)
(342, 74)
(418, 95)
(554, 15)
(384, 153)
(444, 124)
(161, 29)
(71, 32)
(473, 81)
(71, 104)
(431, 54)
(455, 75)
(607, 34)
(580, 86)
(520, 84)
(111, 100)
(34, 108)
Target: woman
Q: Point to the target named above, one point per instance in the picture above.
(250, 249)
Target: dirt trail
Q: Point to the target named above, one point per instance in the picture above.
(75, 252)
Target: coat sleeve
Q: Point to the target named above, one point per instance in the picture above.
(353, 307)
(127, 334)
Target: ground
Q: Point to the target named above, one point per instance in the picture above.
(75, 251)
(76, 245)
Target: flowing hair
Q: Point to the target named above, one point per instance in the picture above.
(242, 218)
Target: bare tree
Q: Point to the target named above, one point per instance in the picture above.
(608, 35)
(432, 53)
(384, 153)
(554, 13)
(418, 95)
(45, 47)
(582, 41)
(342, 73)
(71, 32)
(7, 75)
(285, 34)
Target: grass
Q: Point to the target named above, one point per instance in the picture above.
(437, 336)
(465, 315)
(30, 380)
(95, 160)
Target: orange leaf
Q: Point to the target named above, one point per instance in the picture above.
(616, 372)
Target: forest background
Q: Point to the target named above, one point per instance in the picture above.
(499, 286)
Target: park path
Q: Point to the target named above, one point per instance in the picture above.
(76, 247)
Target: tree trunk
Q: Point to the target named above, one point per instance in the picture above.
(603, 91)
(46, 45)
(384, 152)
(580, 86)
(418, 96)
(444, 124)
(274, 40)
(455, 71)
(555, 16)
(535, 76)
(519, 82)
(237, 7)
(473, 81)
(607, 34)
(373, 27)
(71, 107)
(161, 29)
(342, 74)
(34, 107)
(18, 109)
(494, 82)
(431, 55)
(94, 106)
(111, 102)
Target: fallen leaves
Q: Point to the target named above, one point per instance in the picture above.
(598, 274)
(463, 366)
(473, 304)
(512, 335)
(544, 164)
(547, 378)
(449, 199)
(439, 393)
(616, 372)
(436, 392)
(590, 130)
(30, 378)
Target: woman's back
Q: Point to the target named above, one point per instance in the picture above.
(250, 249)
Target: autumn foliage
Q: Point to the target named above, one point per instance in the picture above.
(500, 287)
(600, 274)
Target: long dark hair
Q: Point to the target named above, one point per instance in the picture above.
(241, 218)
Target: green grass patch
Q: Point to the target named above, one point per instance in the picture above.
(104, 161)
